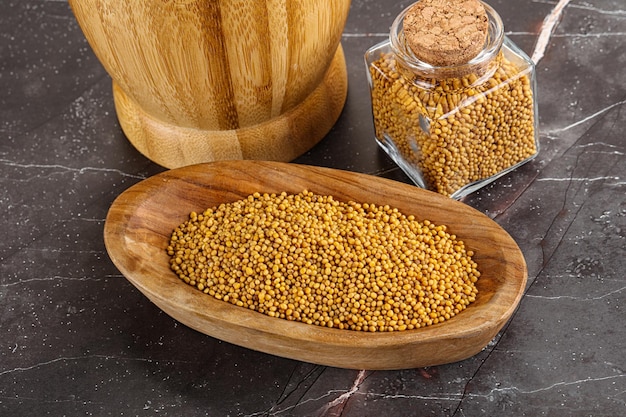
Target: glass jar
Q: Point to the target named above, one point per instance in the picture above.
(454, 129)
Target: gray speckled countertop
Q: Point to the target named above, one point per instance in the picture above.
(78, 339)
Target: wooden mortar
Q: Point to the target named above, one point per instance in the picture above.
(204, 80)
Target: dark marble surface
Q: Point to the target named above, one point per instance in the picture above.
(78, 339)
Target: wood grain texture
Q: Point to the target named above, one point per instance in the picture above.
(141, 220)
(281, 138)
(196, 80)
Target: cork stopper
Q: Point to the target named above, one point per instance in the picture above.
(446, 32)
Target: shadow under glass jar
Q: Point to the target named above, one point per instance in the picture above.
(454, 129)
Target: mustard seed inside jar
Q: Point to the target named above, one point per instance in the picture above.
(452, 97)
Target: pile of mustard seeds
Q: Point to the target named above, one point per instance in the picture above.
(316, 260)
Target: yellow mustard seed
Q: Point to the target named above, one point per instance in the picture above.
(455, 131)
(313, 259)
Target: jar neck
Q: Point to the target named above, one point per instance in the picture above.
(482, 66)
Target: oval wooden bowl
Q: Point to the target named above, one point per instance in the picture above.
(141, 220)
